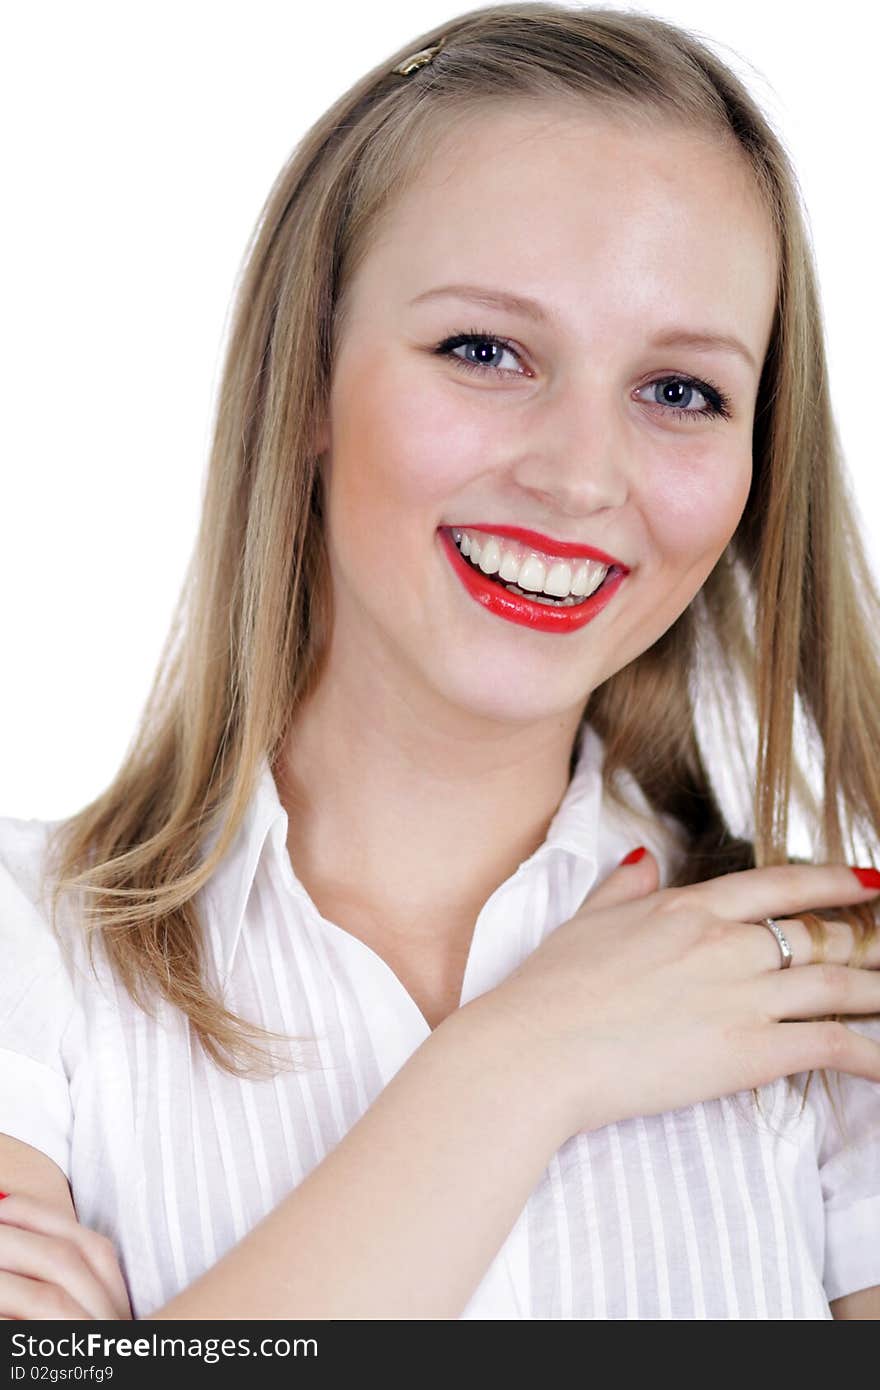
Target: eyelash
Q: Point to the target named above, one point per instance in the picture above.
(718, 402)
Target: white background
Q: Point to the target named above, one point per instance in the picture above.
(139, 144)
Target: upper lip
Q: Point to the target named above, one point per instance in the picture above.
(568, 550)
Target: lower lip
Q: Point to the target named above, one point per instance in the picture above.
(540, 617)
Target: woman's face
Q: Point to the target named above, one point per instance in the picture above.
(581, 424)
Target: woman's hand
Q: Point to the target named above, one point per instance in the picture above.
(651, 999)
(51, 1267)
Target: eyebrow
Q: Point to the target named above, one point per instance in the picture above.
(535, 310)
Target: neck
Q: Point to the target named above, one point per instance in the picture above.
(418, 819)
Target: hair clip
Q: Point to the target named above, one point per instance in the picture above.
(418, 60)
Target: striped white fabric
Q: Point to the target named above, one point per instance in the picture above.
(710, 1211)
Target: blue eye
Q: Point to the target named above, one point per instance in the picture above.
(717, 404)
(481, 341)
(685, 387)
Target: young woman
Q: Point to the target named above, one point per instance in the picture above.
(348, 999)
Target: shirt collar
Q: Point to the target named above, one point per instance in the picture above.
(263, 832)
(575, 825)
(264, 826)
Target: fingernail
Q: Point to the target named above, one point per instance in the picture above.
(868, 878)
(2, 1195)
(634, 856)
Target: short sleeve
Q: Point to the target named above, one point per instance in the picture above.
(849, 1170)
(37, 1001)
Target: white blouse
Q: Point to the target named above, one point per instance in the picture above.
(709, 1211)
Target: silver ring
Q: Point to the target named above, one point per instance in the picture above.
(781, 939)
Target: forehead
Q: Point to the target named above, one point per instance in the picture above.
(584, 212)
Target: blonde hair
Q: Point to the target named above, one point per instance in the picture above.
(790, 608)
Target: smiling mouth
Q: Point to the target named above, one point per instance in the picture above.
(517, 566)
(532, 609)
(570, 600)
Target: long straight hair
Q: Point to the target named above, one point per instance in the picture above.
(787, 616)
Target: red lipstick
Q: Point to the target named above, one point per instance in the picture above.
(540, 617)
(563, 550)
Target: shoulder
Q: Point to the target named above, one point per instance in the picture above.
(847, 1145)
(846, 1148)
(24, 847)
(35, 979)
(627, 819)
(40, 1011)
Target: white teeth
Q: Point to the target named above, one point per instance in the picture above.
(558, 580)
(532, 574)
(568, 602)
(509, 567)
(524, 571)
(490, 557)
(583, 578)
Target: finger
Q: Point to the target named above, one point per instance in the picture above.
(21, 1297)
(781, 890)
(55, 1260)
(819, 990)
(762, 946)
(784, 1049)
(96, 1250)
(625, 882)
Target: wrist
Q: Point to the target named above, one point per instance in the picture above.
(515, 1060)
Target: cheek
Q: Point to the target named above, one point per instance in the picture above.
(400, 442)
(693, 503)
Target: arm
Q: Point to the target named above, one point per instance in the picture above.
(864, 1304)
(26, 1171)
(50, 1265)
(402, 1219)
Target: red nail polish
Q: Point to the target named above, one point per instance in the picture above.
(868, 878)
(634, 856)
(2, 1195)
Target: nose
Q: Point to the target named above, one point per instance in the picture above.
(574, 452)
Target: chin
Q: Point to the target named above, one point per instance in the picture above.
(512, 702)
